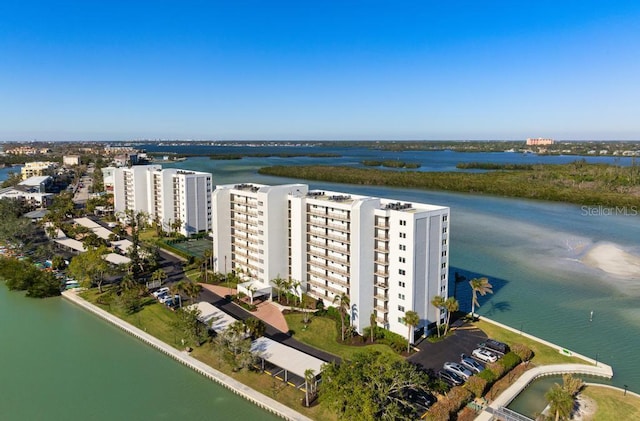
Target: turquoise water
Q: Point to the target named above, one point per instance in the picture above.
(59, 362)
(530, 251)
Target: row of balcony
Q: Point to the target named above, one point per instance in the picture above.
(325, 244)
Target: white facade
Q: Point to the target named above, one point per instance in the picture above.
(388, 257)
(168, 195)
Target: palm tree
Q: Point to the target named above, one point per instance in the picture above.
(451, 305)
(206, 259)
(411, 319)
(438, 303)
(373, 324)
(560, 401)
(255, 327)
(159, 275)
(482, 286)
(176, 289)
(309, 383)
(280, 284)
(192, 290)
(251, 289)
(295, 285)
(344, 306)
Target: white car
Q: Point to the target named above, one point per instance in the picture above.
(458, 369)
(484, 355)
(160, 292)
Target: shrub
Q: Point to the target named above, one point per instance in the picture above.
(488, 375)
(393, 340)
(438, 412)
(476, 385)
(524, 352)
(509, 361)
(497, 369)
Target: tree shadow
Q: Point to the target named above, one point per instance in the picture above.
(459, 287)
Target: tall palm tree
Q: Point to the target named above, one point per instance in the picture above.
(438, 303)
(411, 319)
(560, 401)
(451, 305)
(344, 305)
(251, 289)
(280, 284)
(206, 259)
(373, 323)
(309, 383)
(482, 286)
(295, 285)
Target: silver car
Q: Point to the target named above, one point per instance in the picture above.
(470, 364)
(458, 369)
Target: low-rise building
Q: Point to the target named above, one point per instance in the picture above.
(34, 169)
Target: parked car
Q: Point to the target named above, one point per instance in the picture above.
(495, 346)
(424, 399)
(470, 364)
(484, 355)
(458, 369)
(164, 297)
(452, 379)
(160, 292)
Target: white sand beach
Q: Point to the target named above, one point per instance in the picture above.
(613, 260)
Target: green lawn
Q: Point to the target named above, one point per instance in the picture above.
(322, 333)
(543, 354)
(612, 405)
(156, 319)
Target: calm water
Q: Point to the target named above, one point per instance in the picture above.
(529, 250)
(52, 353)
(59, 362)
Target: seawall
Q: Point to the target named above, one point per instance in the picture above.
(238, 388)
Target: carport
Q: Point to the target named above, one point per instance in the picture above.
(213, 317)
(285, 363)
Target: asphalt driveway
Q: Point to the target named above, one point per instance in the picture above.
(463, 340)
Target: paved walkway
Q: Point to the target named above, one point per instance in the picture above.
(271, 333)
(527, 377)
(267, 311)
(246, 392)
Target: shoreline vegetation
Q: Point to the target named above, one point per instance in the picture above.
(578, 182)
(391, 164)
(236, 156)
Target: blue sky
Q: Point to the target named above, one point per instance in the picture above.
(119, 70)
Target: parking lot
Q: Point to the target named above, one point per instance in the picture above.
(463, 340)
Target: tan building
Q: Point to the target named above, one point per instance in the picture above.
(70, 160)
(37, 169)
(539, 141)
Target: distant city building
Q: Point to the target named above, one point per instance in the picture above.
(170, 196)
(27, 150)
(70, 160)
(388, 257)
(33, 200)
(37, 184)
(539, 141)
(108, 178)
(33, 169)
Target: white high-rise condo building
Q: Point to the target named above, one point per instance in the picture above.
(180, 200)
(388, 257)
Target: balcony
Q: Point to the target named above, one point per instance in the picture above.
(382, 284)
(382, 273)
(342, 239)
(333, 290)
(381, 309)
(341, 271)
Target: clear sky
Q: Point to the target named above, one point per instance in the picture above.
(119, 70)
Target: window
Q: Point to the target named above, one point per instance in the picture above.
(403, 235)
(402, 284)
(443, 276)
(400, 320)
(401, 296)
(402, 260)
(444, 218)
(401, 308)
(444, 253)
(444, 265)
(403, 223)
(402, 272)
(444, 230)
(403, 247)
(444, 241)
